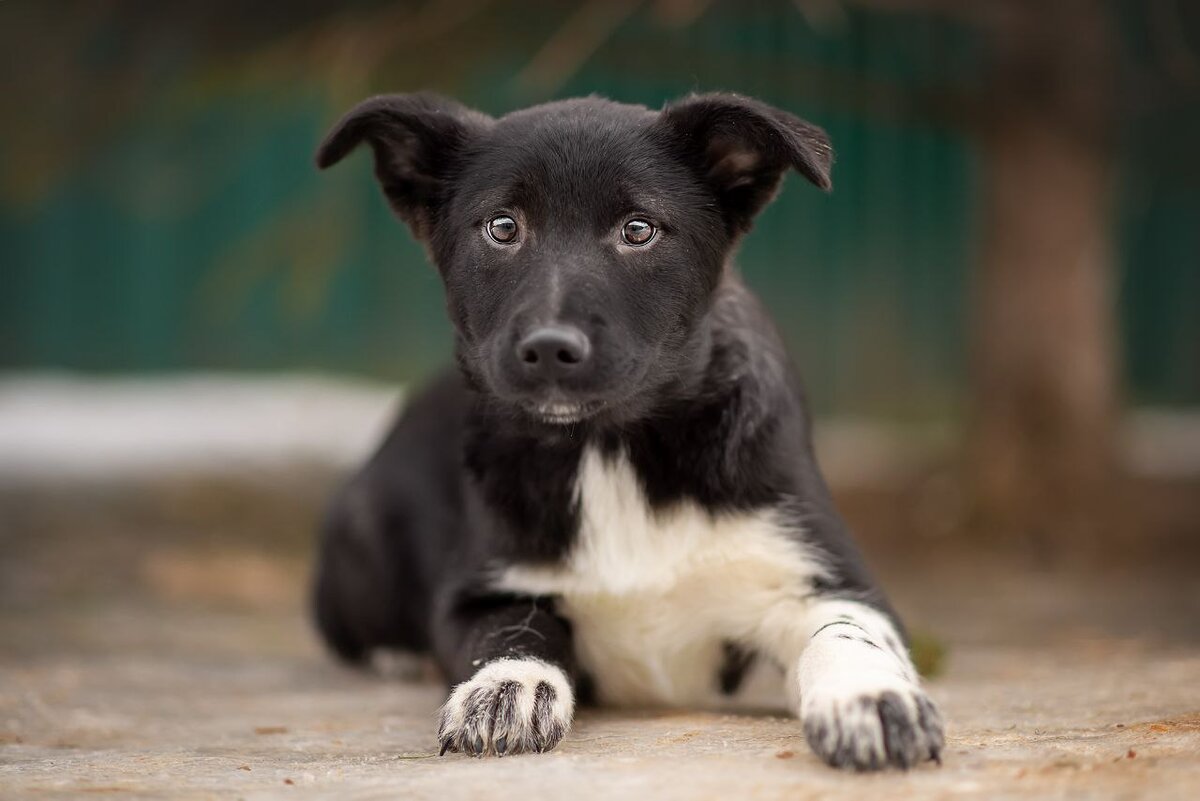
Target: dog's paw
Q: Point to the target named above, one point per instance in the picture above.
(898, 726)
(509, 706)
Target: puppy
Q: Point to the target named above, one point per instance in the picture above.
(614, 498)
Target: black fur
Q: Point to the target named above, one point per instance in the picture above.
(733, 669)
(684, 371)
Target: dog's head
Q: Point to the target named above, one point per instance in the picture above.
(580, 242)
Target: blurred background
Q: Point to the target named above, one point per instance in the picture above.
(997, 310)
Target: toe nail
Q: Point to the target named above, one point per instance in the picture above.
(445, 747)
(478, 744)
(502, 745)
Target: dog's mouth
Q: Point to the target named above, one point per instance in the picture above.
(565, 413)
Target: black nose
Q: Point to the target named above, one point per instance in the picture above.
(553, 351)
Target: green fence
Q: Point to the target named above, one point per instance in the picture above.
(198, 235)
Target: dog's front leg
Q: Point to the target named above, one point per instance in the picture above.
(510, 659)
(860, 699)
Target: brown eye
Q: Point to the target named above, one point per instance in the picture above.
(637, 232)
(502, 229)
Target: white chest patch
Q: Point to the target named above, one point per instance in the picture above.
(653, 597)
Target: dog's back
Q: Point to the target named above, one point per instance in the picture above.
(392, 530)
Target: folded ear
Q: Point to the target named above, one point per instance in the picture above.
(417, 140)
(742, 148)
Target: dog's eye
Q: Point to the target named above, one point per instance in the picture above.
(637, 232)
(502, 229)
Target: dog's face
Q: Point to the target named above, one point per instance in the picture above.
(580, 242)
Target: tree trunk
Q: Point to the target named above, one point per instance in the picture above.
(1043, 385)
(1042, 444)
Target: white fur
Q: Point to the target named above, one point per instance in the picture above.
(653, 597)
(849, 666)
(526, 672)
(840, 677)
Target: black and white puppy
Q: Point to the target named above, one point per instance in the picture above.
(615, 496)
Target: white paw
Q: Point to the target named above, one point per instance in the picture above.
(893, 724)
(509, 706)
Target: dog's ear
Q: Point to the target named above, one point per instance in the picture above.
(742, 147)
(417, 140)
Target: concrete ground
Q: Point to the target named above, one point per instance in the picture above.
(153, 644)
(185, 684)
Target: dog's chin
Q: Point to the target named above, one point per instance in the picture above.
(564, 413)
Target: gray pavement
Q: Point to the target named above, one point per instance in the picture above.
(179, 690)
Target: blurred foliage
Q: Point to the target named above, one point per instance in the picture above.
(159, 209)
(928, 654)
